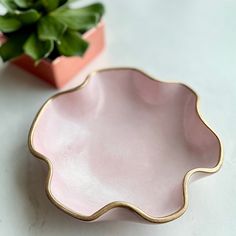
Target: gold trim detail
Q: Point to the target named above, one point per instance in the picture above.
(122, 204)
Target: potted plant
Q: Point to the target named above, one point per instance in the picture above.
(49, 38)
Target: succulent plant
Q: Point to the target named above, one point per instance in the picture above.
(46, 28)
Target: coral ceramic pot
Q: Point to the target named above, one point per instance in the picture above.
(63, 69)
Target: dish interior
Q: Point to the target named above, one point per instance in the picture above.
(123, 137)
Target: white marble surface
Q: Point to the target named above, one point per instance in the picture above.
(187, 40)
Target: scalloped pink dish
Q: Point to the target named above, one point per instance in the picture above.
(123, 143)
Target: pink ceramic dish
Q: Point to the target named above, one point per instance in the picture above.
(123, 140)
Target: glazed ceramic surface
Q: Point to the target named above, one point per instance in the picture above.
(123, 140)
(62, 69)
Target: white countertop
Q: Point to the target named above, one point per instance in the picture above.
(189, 41)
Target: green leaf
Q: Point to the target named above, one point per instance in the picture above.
(28, 17)
(9, 4)
(23, 3)
(72, 44)
(50, 5)
(95, 8)
(50, 29)
(13, 47)
(82, 18)
(36, 48)
(74, 20)
(62, 2)
(9, 23)
(12, 22)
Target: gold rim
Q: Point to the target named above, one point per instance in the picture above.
(122, 204)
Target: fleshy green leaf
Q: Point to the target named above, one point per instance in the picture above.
(74, 20)
(29, 16)
(23, 3)
(36, 48)
(72, 44)
(13, 47)
(50, 29)
(95, 8)
(9, 23)
(82, 18)
(62, 2)
(9, 4)
(50, 5)
(12, 22)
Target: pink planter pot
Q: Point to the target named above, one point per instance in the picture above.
(63, 69)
